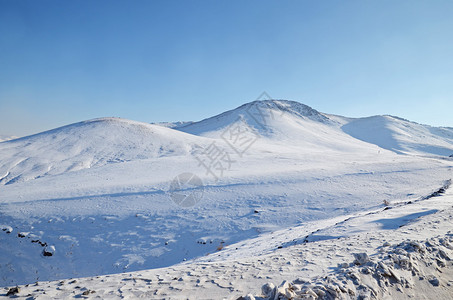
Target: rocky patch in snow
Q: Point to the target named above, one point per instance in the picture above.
(441, 190)
(48, 251)
(392, 270)
(6, 228)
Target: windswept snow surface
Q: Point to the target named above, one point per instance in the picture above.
(411, 259)
(99, 195)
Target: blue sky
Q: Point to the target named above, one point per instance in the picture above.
(67, 61)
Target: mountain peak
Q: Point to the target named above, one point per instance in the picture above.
(286, 106)
(263, 115)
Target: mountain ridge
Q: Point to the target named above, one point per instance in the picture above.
(277, 124)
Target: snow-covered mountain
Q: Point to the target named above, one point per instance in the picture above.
(278, 122)
(105, 192)
(290, 120)
(89, 144)
(264, 116)
(402, 136)
(296, 122)
(274, 123)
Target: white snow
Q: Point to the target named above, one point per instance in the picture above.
(89, 144)
(4, 137)
(402, 136)
(294, 192)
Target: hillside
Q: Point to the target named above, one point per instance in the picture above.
(300, 124)
(277, 126)
(402, 136)
(279, 123)
(88, 144)
(110, 195)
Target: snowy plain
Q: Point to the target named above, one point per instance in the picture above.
(282, 192)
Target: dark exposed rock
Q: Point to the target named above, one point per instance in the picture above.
(13, 291)
(434, 281)
(48, 251)
(87, 292)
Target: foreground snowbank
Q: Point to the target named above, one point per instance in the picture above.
(396, 271)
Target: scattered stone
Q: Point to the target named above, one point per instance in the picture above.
(433, 280)
(268, 290)
(22, 234)
(6, 228)
(398, 268)
(440, 191)
(48, 251)
(287, 290)
(39, 242)
(361, 258)
(87, 292)
(13, 291)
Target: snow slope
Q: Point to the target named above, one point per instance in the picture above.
(88, 144)
(408, 249)
(277, 123)
(402, 136)
(102, 191)
(299, 123)
(264, 116)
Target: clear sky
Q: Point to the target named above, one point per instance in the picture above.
(67, 61)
